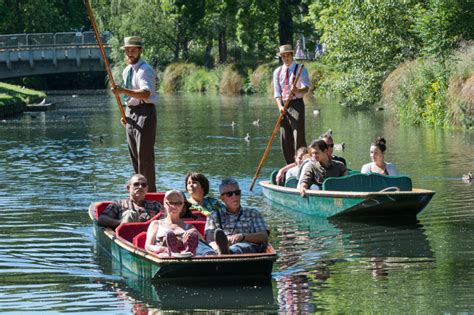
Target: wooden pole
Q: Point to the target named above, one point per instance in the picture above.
(275, 130)
(104, 57)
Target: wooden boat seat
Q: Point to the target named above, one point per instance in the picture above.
(367, 183)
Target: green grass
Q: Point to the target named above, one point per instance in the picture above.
(13, 94)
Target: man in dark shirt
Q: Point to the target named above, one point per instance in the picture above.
(133, 209)
(320, 167)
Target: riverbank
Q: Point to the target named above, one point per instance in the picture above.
(13, 99)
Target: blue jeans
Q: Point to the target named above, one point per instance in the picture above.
(246, 247)
(204, 249)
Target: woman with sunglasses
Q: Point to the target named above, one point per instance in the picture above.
(133, 209)
(197, 186)
(378, 164)
(171, 236)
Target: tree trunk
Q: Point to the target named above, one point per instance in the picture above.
(285, 23)
(222, 47)
(208, 61)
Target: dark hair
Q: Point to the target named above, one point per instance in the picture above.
(321, 144)
(380, 143)
(200, 178)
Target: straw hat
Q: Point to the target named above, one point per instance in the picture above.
(132, 41)
(285, 49)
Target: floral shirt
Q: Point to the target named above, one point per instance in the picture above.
(209, 205)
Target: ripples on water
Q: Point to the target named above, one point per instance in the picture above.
(55, 163)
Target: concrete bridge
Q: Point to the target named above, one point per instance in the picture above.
(45, 53)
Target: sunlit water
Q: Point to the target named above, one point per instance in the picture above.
(54, 164)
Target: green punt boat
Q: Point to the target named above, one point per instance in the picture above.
(126, 246)
(353, 195)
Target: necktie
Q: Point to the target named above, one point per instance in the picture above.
(285, 85)
(128, 83)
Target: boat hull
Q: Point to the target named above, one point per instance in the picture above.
(333, 203)
(147, 265)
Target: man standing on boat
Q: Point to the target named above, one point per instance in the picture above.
(140, 97)
(292, 128)
(133, 209)
(234, 229)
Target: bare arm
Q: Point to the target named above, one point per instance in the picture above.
(150, 243)
(257, 238)
(106, 221)
(282, 171)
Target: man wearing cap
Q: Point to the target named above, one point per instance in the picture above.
(140, 97)
(292, 128)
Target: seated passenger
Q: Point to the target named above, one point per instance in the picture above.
(327, 137)
(378, 164)
(197, 187)
(133, 209)
(170, 235)
(292, 169)
(234, 229)
(320, 167)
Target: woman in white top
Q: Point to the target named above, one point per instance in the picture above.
(377, 154)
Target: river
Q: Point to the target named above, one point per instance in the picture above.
(55, 163)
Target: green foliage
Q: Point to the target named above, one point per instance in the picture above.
(363, 40)
(174, 76)
(11, 94)
(231, 82)
(201, 80)
(261, 79)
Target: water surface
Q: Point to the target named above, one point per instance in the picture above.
(54, 164)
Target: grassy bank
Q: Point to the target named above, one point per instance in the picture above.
(427, 92)
(229, 79)
(12, 94)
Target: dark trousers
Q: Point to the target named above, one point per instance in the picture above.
(292, 130)
(141, 133)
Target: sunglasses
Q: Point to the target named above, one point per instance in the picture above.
(231, 193)
(137, 184)
(174, 203)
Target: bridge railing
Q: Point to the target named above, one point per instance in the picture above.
(51, 39)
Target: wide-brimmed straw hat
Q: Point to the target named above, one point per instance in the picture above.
(132, 41)
(285, 49)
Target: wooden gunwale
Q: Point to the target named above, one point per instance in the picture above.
(342, 194)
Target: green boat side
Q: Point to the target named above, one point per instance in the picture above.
(347, 203)
(147, 265)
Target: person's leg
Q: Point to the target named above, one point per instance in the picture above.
(244, 248)
(191, 242)
(298, 124)
(146, 136)
(204, 249)
(286, 139)
(221, 241)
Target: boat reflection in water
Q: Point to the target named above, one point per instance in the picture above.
(215, 294)
(313, 249)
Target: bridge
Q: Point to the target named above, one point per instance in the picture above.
(46, 53)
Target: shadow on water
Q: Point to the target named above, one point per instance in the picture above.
(233, 294)
(312, 250)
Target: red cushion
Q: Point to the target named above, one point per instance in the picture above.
(100, 207)
(129, 230)
(140, 239)
(156, 196)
